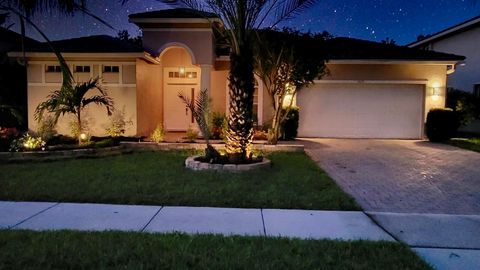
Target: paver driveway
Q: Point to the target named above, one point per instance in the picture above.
(402, 176)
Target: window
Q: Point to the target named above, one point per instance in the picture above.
(111, 69)
(476, 90)
(82, 69)
(188, 75)
(52, 68)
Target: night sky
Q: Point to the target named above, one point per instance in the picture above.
(402, 20)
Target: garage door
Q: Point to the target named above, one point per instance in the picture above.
(361, 111)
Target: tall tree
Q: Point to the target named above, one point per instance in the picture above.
(241, 18)
(287, 61)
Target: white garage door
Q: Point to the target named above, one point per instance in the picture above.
(361, 111)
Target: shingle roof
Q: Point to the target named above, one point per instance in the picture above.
(453, 30)
(356, 49)
(181, 13)
(90, 44)
(13, 41)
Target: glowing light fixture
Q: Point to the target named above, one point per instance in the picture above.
(436, 92)
(181, 70)
(83, 136)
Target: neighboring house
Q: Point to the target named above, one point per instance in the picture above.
(372, 90)
(461, 39)
(13, 41)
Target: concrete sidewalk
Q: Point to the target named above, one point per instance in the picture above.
(303, 224)
(444, 241)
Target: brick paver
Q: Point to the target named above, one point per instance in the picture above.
(402, 176)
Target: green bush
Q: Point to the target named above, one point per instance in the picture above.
(442, 124)
(118, 124)
(46, 128)
(290, 125)
(219, 122)
(28, 143)
(105, 143)
(465, 104)
(158, 135)
(192, 135)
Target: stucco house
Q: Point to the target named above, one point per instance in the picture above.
(372, 90)
(461, 39)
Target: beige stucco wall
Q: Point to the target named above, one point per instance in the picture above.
(219, 90)
(465, 44)
(200, 43)
(149, 96)
(123, 93)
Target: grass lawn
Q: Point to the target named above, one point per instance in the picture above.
(160, 178)
(120, 250)
(472, 144)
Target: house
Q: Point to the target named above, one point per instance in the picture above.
(372, 90)
(461, 39)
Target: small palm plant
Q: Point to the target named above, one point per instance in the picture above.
(200, 109)
(71, 99)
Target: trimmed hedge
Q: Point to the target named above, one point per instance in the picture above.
(442, 124)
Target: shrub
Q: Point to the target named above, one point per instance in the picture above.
(465, 104)
(290, 125)
(7, 135)
(442, 124)
(191, 135)
(105, 143)
(27, 143)
(158, 134)
(117, 125)
(219, 123)
(46, 128)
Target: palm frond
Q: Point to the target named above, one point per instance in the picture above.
(289, 8)
(11, 110)
(200, 109)
(31, 7)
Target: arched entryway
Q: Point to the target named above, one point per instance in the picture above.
(180, 75)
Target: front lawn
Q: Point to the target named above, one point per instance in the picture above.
(120, 250)
(472, 144)
(160, 178)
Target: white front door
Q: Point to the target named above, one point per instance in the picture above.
(177, 116)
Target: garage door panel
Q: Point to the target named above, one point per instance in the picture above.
(361, 111)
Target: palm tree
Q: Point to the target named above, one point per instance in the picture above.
(71, 99)
(242, 18)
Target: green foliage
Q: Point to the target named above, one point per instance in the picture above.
(287, 61)
(442, 124)
(219, 125)
(72, 99)
(200, 109)
(46, 128)
(192, 135)
(27, 143)
(7, 135)
(465, 104)
(290, 125)
(158, 134)
(117, 125)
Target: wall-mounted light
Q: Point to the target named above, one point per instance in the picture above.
(181, 70)
(436, 91)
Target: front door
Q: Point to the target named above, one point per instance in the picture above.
(177, 116)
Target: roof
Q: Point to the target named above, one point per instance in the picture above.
(355, 49)
(175, 13)
(456, 29)
(13, 41)
(89, 44)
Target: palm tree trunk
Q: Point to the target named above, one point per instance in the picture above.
(79, 125)
(240, 119)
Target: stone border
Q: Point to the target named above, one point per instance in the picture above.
(62, 154)
(194, 165)
(201, 146)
